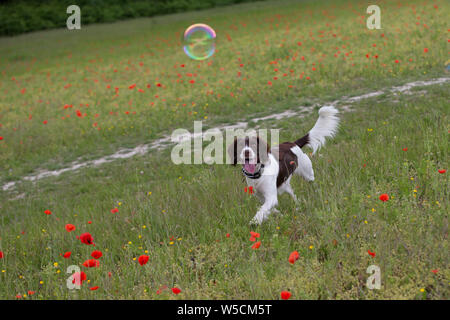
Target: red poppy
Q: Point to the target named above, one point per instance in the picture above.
(442, 171)
(47, 212)
(132, 86)
(425, 50)
(86, 238)
(256, 245)
(1, 138)
(91, 263)
(67, 255)
(254, 235)
(228, 235)
(1, 254)
(30, 292)
(96, 254)
(115, 210)
(143, 259)
(371, 253)
(176, 290)
(78, 278)
(294, 256)
(93, 288)
(285, 295)
(384, 197)
(435, 271)
(70, 227)
(405, 149)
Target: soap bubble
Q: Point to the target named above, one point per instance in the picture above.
(199, 41)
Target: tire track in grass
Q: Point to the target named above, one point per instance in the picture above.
(166, 141)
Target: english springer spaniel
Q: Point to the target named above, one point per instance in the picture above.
(269, 170)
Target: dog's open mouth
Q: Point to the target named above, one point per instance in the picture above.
(249, 167)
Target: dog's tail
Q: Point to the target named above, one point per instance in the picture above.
(326, 126)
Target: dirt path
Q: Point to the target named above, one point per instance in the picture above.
(167, 141)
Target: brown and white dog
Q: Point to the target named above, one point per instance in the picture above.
(269, 170)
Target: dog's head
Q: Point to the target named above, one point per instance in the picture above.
(251, 152)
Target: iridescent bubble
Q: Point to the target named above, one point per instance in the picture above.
(199, 41)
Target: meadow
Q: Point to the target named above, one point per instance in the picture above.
(78, 95)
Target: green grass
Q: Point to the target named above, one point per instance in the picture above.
(43, 63)
(339, 217)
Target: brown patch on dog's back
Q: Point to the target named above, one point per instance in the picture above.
(287, 161)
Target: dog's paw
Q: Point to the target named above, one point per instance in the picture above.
(257, 220)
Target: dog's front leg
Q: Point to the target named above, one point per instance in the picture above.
(270, 201)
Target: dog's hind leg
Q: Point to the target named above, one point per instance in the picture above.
(286, 187)
(304, 168)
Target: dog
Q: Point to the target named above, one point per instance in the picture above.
(269, 170)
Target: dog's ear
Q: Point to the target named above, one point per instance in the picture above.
(263, 150)
(232, 151)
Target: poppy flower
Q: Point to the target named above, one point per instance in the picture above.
(67, 255)
(384, 197)
(425, 50)
(371, 253)
(1, 138)
(256, 245)
(78, 278)
(176, 290)
(30, 292)
(285, 295)
(405, 149)
(96, 254)
(70, 227)
(115, 210)
(48, 212)
(93, 288)
(132, 86)
(91, 263)
(143, 259)
(254, 235)
(1, 254)
(435, 271)
(294, 256)
(442, 171)
(86, 238)
(228, 235)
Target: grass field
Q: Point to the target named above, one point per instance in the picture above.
(270, 57)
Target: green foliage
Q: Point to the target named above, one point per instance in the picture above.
(25, 16)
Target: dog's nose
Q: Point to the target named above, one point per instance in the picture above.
(247, 154)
